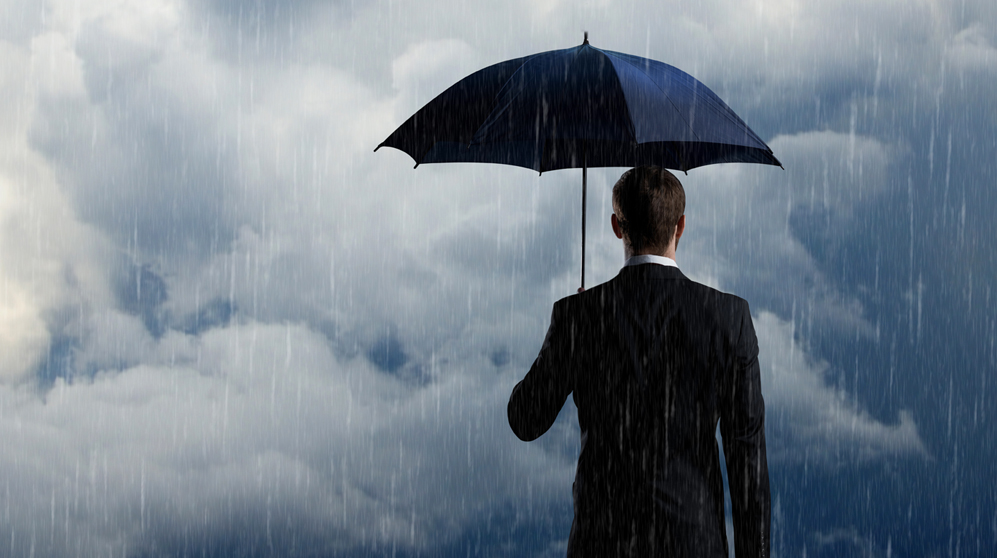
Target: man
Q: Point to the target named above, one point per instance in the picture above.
(654, 361)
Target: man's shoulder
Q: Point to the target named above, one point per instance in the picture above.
(658, 278)
(727, 307)
(665, 281)
(712, 293)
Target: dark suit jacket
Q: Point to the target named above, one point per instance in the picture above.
(654, 361)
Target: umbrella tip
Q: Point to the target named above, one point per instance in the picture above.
(586, 38)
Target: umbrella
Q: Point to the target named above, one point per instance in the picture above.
(579, 107)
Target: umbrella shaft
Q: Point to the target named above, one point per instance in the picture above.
(584, 193)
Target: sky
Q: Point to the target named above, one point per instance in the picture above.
(229, 328)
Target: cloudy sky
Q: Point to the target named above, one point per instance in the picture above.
(227, 327)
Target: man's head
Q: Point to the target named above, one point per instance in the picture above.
(649, 207)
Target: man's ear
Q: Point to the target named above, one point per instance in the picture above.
(679, 229)
(616, 226)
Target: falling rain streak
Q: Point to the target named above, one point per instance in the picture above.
(227, 327)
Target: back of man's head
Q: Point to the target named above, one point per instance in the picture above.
(648, 202)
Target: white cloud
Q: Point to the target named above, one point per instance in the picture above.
(55, 69)
(970, 49)
(420, 70)
(23, 335)
(254, 421)
(740, 236)
(235, 160)
(806, 419)
(753, 248)
(120, 36)
(48, 260)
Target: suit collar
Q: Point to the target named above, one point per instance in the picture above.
(651, 271)
(650, 258)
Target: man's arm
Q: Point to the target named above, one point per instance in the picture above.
(742, 427)
(536, 401)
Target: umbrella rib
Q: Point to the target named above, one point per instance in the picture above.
(665, 95)
(727, 114)
(522, 90)
(632, 127)
(501, 89)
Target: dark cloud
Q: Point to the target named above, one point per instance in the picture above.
(141, 291)
(137, 165)
(933, 350)
(270, 32)
(233, 389)
(387, 353)
(907, 257)
(216, 313)
(500, 357)
(59, 361)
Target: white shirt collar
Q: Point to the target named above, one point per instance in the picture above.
(650, 258)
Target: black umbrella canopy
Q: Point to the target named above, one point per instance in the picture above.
(579, 107)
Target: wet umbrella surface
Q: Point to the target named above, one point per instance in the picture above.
(582, 108)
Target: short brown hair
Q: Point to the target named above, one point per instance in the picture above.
(648, 202)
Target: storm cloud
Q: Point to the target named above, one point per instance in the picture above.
(228, 327)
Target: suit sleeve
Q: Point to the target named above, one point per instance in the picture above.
(742, 427)
(538, 398)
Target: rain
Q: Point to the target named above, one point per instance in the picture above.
(228, 327)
